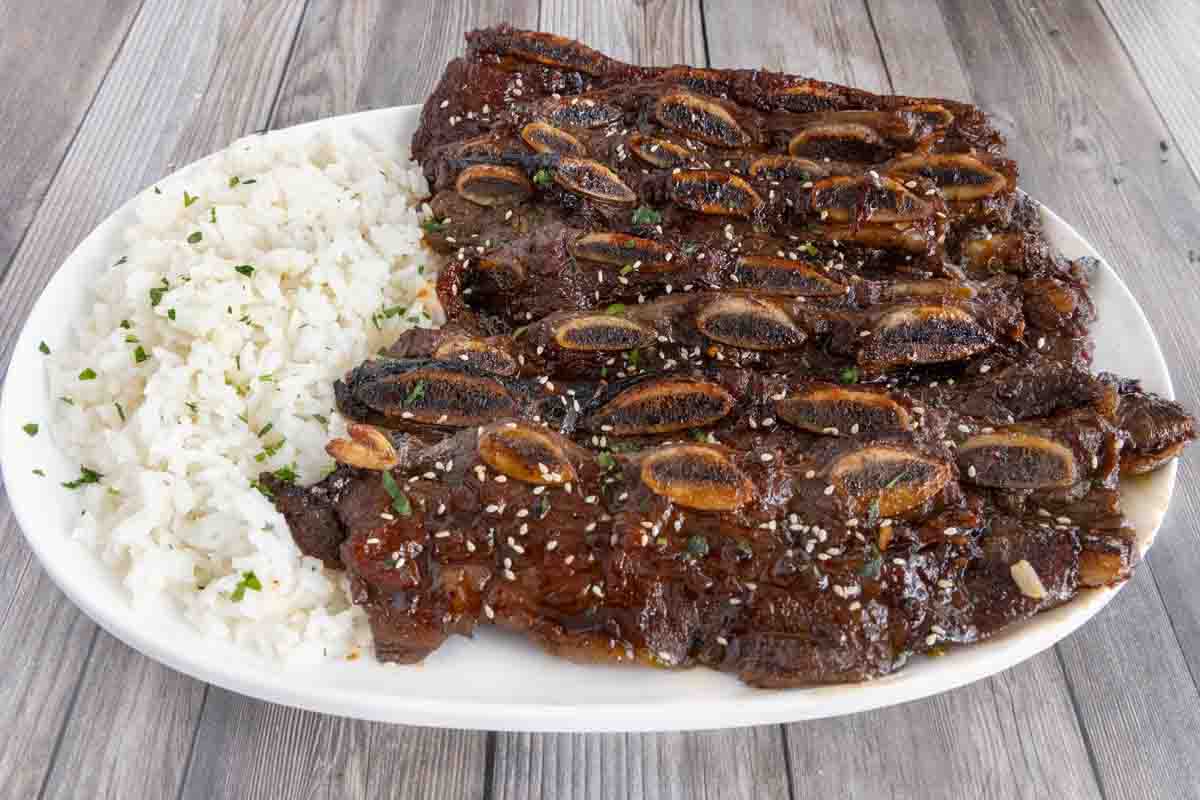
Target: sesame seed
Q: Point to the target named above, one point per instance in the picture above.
(539, 489)
(812, 473)
(829, 490)
(442, 535)
(488, 611)
(971, 471)
(767, 457)
(501, 479)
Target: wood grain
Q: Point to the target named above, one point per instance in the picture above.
(1089, 148)
(171, 96)
(352, 56)
(832, 41)
(737, 765)
(1160, 38)
(995, 737)
(62, 52)
(247, 748)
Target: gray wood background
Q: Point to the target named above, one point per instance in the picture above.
(1101, 101)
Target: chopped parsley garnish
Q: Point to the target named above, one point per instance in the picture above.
(188, 199)
(140, 355)
(321, 419)
(849, 375)
(266, 429)
(808, 248)
(400, 503)
(542, 177)
(131, 339)
(171, 314)
(249, 181)
(157, 190)
(689, 248)
(616, 309)
(628, 268)
(249, 581)
(244, 269)
(286, 474)
(67, 400)
(897, 479)
(262, 489)
(156, 294)
(192, 407)
(31, 428)
(212, 215)
(432, 225)
(415, 393)
(267, 377)
(194, 237)
(43, 348)
(605, 459)
(644, 215)
(41, 473)
(120, 411)
(85, 476)
(121, 260)
(88, 374)
(234, 180)
(634, 357)
(543, 507)
(697, 546)
(126, 324)
(700, 436)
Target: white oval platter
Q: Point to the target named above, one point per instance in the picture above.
(498, 681)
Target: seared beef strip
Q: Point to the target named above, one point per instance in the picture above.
(831, 567)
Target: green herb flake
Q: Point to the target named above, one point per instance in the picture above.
(234, 180)
(212, 215)
(266, 429)
(171, 314)
(700, 436)
(67, 400)
(262, 489)
(194, 237)
(616, 309)
(267, 377)
(697, 546)
(605, 459)
(542, 177)
(157, 190)
(249, 581)
(628, 268)
(634, 357)
(31, 428)
(415, 393)
(849, 375)
(644, 215)
(400, 502)
(120, 411)
(808, 248)
(88, 374)
(43, 348)
(131, 339)
(156, 294)
(140, 355)
(188, 199)
(244, 269)
(321, 419)
(85, 476)
(249, 181)
(126, 324)
(432, 225)
(41, 473)
(192, 407)
(121, 260)
(286, 474)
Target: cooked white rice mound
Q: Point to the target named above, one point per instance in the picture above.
(214, 343)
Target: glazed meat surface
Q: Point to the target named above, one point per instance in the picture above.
(740, 369)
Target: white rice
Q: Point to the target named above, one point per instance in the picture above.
(240, 381)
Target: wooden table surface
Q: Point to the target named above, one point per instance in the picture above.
(1101, 104)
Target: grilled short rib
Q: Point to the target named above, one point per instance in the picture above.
(741, 369)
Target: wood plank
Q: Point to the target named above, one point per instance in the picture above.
(247, 748)
(190, 77)
(1160, 37)
(1086, 136)
(344, 60)
(737, 764)
(352, 56)
(1012, 735)
(60, 51)
(830, 41)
